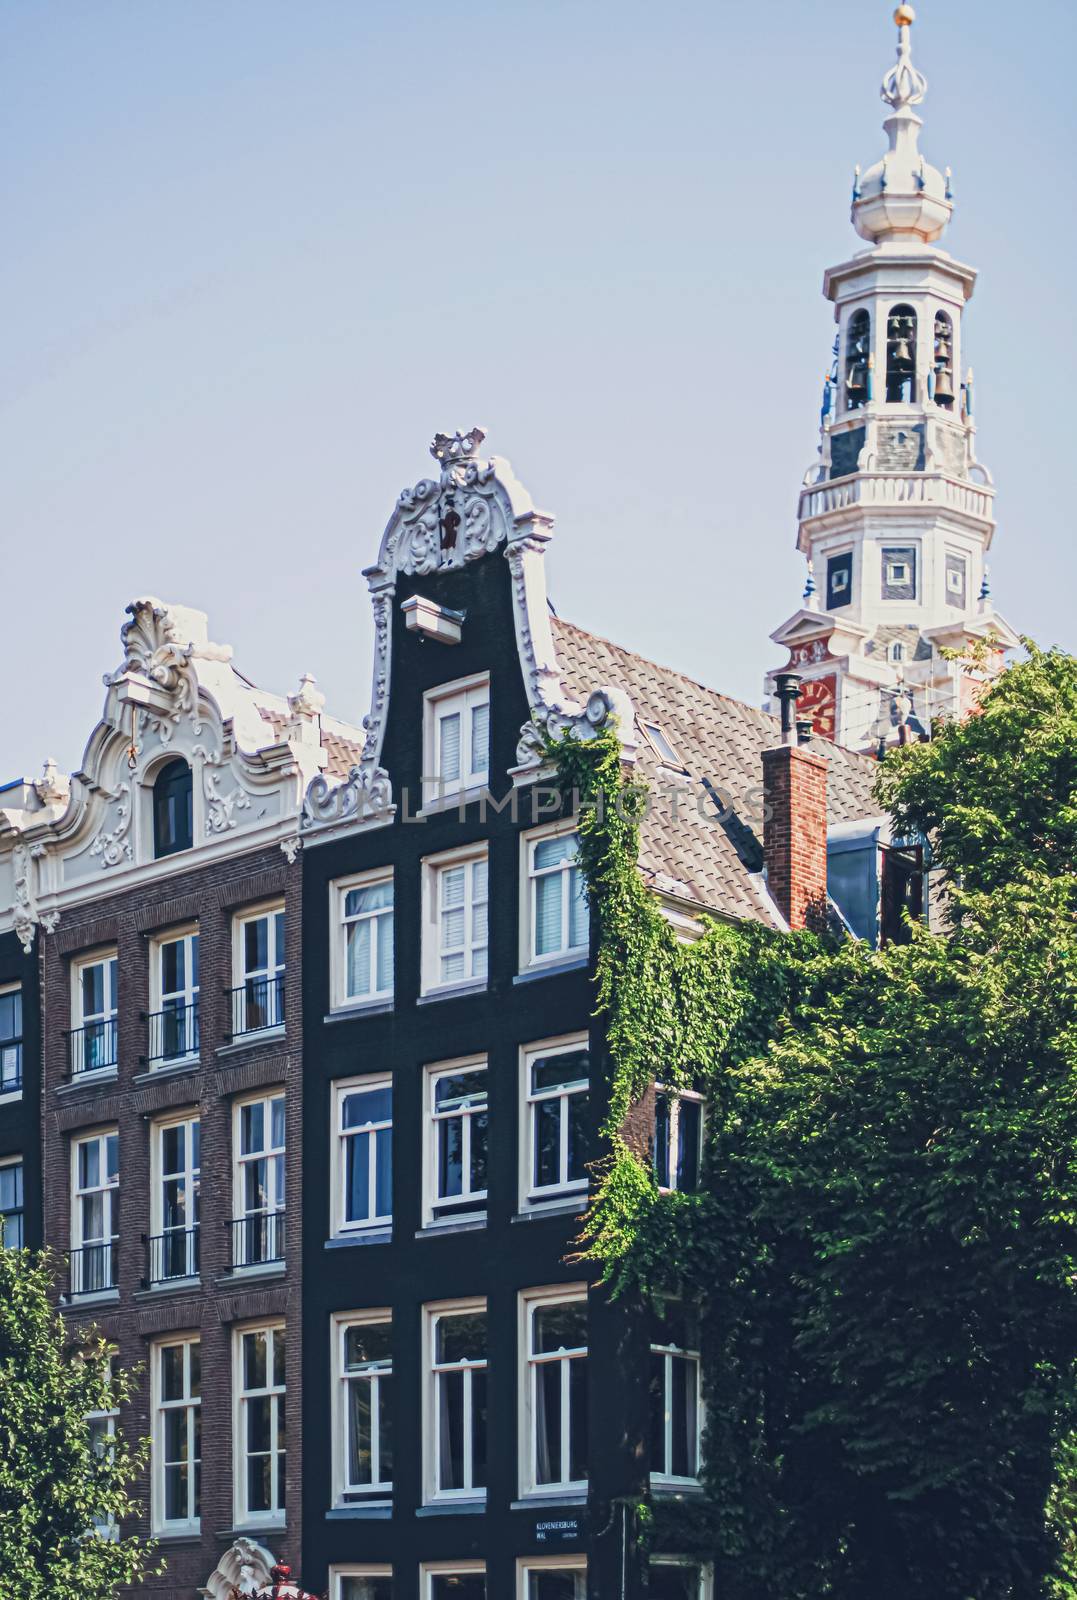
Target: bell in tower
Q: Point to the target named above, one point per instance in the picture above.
(944, 362)
(901, 355)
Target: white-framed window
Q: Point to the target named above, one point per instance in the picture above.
(12, 1218)
(676, 1403)
(553, 1393)
(173, 1030)
(360, 1583)
(456, 1140)
(363, 1154)
(897, 651)
(94, 1007)
(678, 1137)
(455, 1428)
(174, 1199)
(362, 1367)
(551, 1578)
(11, 1039)
(555, 919)
(556, 1084)
(456, 738)
(361, 939)
(678, 1578)
(176, 1440)
(258, 1144)
(455, 932)
(101, 1427)
(897, 572)
(258, 966)
(95, 1211)
(259, 1451)
(453, 1580)
(663, 749)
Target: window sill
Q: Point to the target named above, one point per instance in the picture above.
(359, 1008)
(10, 1097)
(676, 1488)
(253, 1274)
(251, 1041)
(464, 1225)
(449, 991)
(87, 1080)
(243, 1530)
(568, 1205)
(453, 1508)
(346, 1240)
(154, 1291)
(376, 1510)
(187, 1535)
(174, 1069)
(552, 969)
(458, 800)
(538, 1501)
(95, 1297)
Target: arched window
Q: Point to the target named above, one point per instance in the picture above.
(897, 651)
(173, 821)
(901, 354)
(857, 353)
(943, 362)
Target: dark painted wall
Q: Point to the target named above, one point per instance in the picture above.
(509, 1254)
(20, 1120)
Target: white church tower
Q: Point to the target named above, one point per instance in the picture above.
(896, 516)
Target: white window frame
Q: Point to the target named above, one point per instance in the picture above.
(105, 1527)
(432, 1314)
(341, 1227)
(338, 1574)
(188, 994)
(274, 969)
(656, 736)
(244, 1517)
(345, 1493)
(659, 1476)
(109, 1015)
(109, 1189)
(526, 1565)
(445, 1569)
(433, 871)
(460, 697)
(529, 1301)
(271, 1154)
(532, 1197)
(19, 1211)
(566, 954)
(675, 1097)
(15, 1044)
(706, 1571)
(431, 1122)
(191, 1180)
(192, 1405)
(339, 998)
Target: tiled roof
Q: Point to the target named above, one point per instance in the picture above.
(343, 753)
(720, 742)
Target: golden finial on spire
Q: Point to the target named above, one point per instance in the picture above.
(904, 16)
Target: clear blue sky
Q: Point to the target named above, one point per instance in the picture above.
(256, 253)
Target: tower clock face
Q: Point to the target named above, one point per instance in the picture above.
(818, 700)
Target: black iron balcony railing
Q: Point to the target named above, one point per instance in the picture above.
(173, 1033)
(257, 1239)
(11, 1067)
(93, 1047)
(93, 1268)
(257, 1004)
(172, 1254)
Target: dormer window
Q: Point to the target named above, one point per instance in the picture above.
(897, 651)
(173, 818)
(663, 749)
(901, 355)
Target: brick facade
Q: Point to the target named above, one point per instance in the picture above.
(130, 1099)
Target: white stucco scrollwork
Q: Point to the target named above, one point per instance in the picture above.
(113, 845)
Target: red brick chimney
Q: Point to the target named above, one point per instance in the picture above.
(794, 829)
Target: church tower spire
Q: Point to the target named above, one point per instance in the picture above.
(896, 513)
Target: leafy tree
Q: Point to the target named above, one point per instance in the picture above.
(54, 1486)
(884, 1249)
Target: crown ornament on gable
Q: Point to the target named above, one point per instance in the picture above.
(449, 447)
